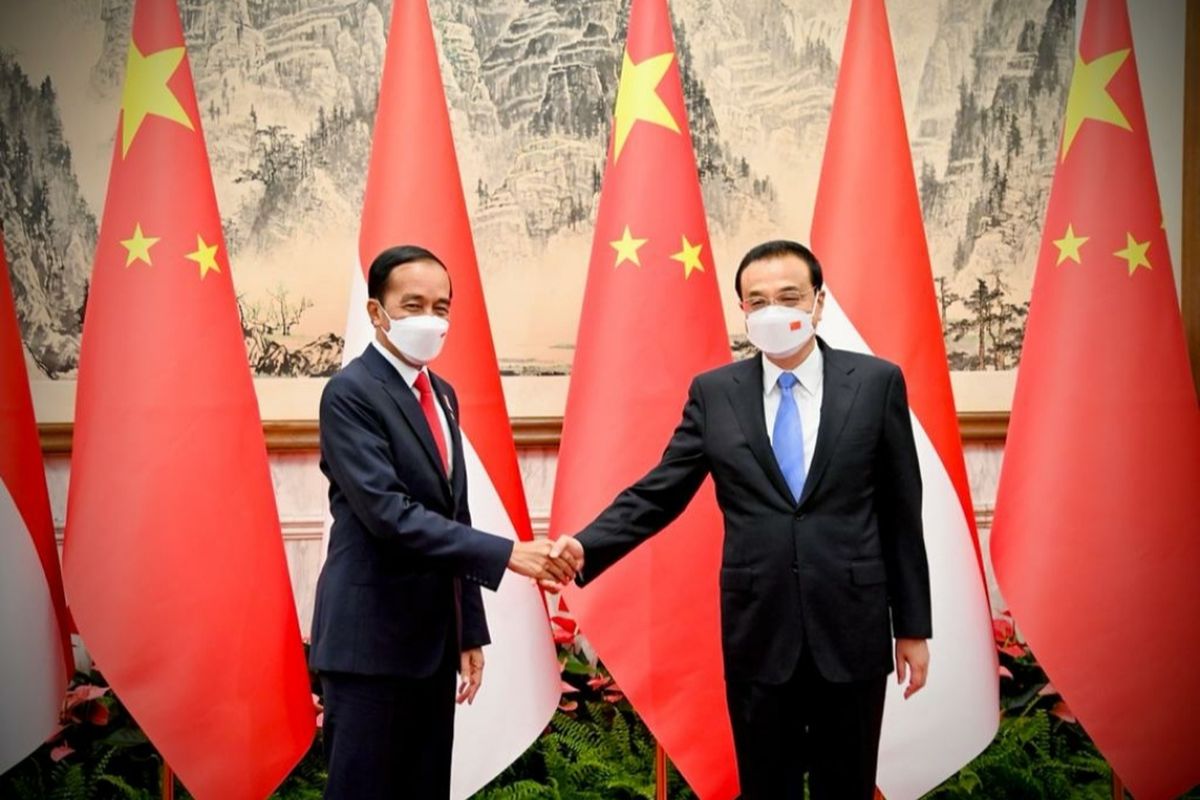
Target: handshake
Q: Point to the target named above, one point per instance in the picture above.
(553, 564)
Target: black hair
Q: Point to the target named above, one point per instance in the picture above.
(774, 249)
(389, 259)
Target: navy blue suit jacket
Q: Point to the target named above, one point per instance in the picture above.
(400, 588)
(832, 571)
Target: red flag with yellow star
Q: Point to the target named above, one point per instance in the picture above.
(1096, 543)
(651, 321)
(174, 564)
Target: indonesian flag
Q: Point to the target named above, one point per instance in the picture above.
(1096, 541)
(414, 196)
(881, 301)
(35, 647)
(651, 321)
(174, 563)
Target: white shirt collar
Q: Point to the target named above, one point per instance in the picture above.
(810, 373)
(407, 371)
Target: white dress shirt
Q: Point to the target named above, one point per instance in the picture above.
(409, 373)
(808, 391)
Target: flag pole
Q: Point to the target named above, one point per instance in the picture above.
(168, 782)
(660, 772)
(1118, 787)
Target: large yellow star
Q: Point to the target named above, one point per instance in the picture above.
(1089, 97)
(689, 256)
(1068, 246)
(1134, 253)
(637, 98)
(146, 92)
(627, 248)
(138, 247)
(205, 256)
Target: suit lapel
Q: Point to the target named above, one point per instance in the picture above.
(841, 388)
(408, 404)
(746, 396)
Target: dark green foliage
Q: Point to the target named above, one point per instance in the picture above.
(106, 755)
(603, 752)
(595, 748)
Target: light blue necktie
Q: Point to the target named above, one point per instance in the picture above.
(787, 439)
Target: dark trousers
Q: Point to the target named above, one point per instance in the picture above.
(387, 738)
(830, 729)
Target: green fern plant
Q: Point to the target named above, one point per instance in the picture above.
(600, 751)
(98, 753)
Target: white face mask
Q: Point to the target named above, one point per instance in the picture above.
(780, 331)
(418, 338)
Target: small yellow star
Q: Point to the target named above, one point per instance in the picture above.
(689, 256)
(1134, 253)
(146, 91)
(1089, 97)
(638, 99)
(1068, 246)
(138, 247)
(205, 256)
(627, 248)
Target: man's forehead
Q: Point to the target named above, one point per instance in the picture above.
(410, 277)
(786, 281)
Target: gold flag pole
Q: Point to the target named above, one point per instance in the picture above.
(660, 772)
(168, 782)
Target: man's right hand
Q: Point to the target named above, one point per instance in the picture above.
(534, 560)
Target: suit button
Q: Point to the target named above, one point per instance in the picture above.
(795, 568)
(800, 515)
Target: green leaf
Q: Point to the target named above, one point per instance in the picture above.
(124, 737)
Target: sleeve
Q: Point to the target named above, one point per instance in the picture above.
(653, 503)
(475, 631)
(898, 510)
(358, 457)
(474, 621)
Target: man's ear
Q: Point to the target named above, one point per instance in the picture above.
(372, 305)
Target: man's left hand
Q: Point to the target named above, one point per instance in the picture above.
(471, 672)
(912, 660)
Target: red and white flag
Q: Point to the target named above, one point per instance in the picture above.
(1096, 541)
(881, 301)
(414, 195)
(35, 646)
(173, 562)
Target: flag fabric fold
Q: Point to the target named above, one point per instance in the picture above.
(414, 195)
(173, 562)
(880, 300)
(651, 321)
(1096, 539)
(35, 646)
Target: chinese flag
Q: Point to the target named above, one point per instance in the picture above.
(880, 300)
(174, 564)
(1096, 542)
(651, 321)
(414, 195)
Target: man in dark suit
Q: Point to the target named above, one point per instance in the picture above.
(398, 606)
(812, 456)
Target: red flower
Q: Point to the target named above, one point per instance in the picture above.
(1003, 630)
(564, 629)
(319, 709)
(1061, 711)
(1005, 634)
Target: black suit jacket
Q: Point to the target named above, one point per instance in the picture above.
(401, 583)
(824, 573)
